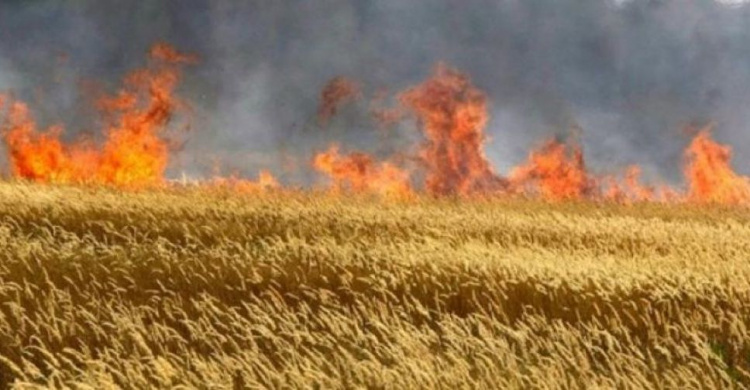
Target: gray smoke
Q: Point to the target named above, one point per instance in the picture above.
(630, 73)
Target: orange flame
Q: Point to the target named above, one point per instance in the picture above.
(630, 189)
(42, 156)
(555, 171)
(135, 154)
(454, 114)
(359, 172)
(266, 181)
(710, 177)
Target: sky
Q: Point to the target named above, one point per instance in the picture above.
(631, 74)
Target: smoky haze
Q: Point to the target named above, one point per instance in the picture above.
(631, 74)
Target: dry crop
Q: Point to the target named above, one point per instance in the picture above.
(199, 288)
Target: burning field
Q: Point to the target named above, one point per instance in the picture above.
(424, 268)
(133, 149)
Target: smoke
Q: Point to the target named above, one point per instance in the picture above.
(9, 80)
(631, 74)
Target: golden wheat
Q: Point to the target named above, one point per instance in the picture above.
(202, 289)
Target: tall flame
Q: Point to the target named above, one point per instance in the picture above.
(453, 114)
(710, 176)
(135, 152)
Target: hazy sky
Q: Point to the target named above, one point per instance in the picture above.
(631, 73)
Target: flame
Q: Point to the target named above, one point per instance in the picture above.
(555, 171)
(710, 177)
(135, 152)
(335, 93)
(266, 181)
(453, 114)
(359, 172)
(42, 156)
(630, 189)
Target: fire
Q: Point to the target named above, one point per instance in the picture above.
(359, 172)
(42, 156)
(630, 189)
(135, 152)
(453, 114)
(266, 181)
(710, 177)
(555, 171)
(336, 92)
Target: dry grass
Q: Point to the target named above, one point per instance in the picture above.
(188, 289)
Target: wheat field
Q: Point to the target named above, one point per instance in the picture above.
(191, 288)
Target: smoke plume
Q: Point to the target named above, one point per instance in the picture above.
(630, 73)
